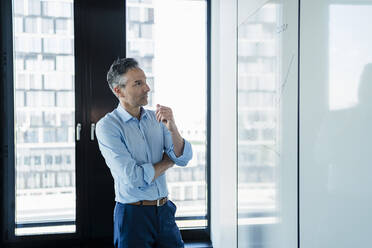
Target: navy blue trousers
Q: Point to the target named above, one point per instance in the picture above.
(146, 226)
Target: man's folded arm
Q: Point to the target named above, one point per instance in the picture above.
(186, 155)
(119, 160)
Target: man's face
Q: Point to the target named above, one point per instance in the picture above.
(135, 92)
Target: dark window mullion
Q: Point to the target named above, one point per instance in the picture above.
(7, 127)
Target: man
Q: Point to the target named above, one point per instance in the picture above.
(139, 145)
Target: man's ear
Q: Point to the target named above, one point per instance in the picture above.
(118, 91)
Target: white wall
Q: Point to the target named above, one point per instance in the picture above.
(334, 123)
(335, 138)
(287, 229)
(223, 129)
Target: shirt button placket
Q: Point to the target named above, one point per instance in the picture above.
(148, 153)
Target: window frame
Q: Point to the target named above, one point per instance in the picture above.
(7, 168)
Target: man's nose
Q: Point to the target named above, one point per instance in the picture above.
(147, 88)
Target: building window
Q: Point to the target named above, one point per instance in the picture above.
(45, 112)
(156, 37)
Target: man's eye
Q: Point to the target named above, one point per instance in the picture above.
(138, 83)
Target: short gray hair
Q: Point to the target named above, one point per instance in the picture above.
(118, 69)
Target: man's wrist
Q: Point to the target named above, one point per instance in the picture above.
(173, 128)
(167, 162)
(170, 163)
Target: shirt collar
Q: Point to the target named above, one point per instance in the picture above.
(127, 117)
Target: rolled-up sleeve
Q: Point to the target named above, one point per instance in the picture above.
(169, 149)
(119, 160)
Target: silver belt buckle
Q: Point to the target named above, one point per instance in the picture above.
(158, 202)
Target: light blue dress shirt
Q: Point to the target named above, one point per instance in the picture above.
(131, 147)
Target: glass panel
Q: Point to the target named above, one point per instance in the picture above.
(336, 138)
(259, 70)
(171, 48)
(44, 117)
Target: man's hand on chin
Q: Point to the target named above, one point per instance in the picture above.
(165, 115)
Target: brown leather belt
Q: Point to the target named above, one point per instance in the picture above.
(158, 202)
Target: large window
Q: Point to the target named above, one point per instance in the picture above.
(58, 182)
(169, 39)
(44, 116)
